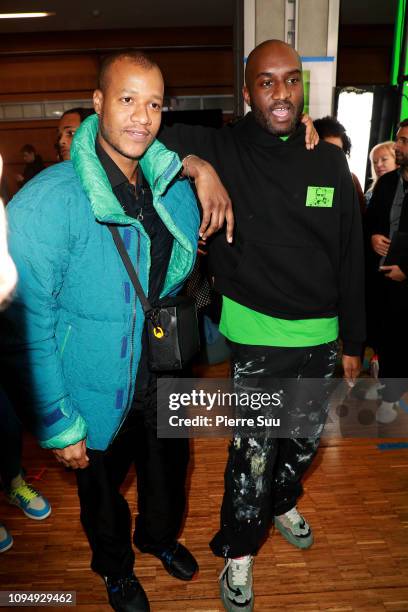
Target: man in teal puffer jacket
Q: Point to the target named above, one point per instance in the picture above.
(75, 329)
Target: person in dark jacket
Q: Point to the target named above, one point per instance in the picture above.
(8, 280)
(34, 164)
(387, 217)
(292, 282)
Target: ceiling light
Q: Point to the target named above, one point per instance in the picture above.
(24, 15)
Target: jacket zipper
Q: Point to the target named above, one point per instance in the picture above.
(64, 343)
(129, 398)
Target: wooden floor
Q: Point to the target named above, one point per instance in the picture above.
(356, 499)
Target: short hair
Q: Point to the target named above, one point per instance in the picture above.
(79, 110)
(28, 148)
(329, 126)
(387, 144)
(403, 123)
(137, 57)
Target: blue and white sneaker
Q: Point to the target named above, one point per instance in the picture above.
(236, 585)
(31, 502)
(6, 540)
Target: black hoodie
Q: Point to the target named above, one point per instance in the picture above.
(289, 259)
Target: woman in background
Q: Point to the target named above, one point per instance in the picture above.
(382, 158)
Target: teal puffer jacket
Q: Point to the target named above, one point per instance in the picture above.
(75, 325)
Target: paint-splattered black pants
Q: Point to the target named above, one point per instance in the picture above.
(263, 473)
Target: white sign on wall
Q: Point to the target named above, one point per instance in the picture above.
(319, 85)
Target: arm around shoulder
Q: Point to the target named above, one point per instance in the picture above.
(213, 197)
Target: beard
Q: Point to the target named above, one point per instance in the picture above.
(401, 159)
(265, 120)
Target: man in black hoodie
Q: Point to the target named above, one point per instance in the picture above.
(292, 283)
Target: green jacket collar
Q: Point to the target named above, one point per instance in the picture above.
(159, 166)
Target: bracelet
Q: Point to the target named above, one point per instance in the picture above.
(185, 166)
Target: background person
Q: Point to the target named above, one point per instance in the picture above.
(382, 158)
(331, 130)
(17, 491)
(8, 279)
(34, 164)
(388, 304)
(68, 124)
(8, 273)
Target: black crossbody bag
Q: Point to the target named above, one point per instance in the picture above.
(172, 326)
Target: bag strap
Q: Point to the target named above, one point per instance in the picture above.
(130, 269)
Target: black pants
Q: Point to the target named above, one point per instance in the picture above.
(393, 339)
(12, 442)
(263, 474)
(161, 467)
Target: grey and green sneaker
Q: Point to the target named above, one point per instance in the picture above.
(236, 585)
(294, 528)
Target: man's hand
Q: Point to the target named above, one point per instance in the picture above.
(351, 367)
(213, 197)
(312, 137)
(380, 244)
(73, 456)
(394, 273)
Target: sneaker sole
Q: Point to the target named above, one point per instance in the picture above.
(36, 518)
(7, 547)
(289, 537)
(230, 607)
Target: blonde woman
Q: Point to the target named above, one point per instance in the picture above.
(382, 158)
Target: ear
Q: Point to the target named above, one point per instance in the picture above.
(246, 95)
(98, 101)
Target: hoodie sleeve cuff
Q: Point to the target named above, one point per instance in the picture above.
(353, 349)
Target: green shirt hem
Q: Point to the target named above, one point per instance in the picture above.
(246, 326)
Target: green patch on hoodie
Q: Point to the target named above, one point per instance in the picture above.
(320, 197)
